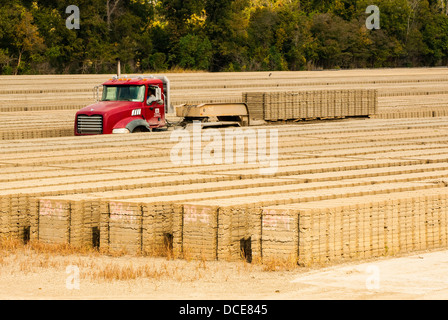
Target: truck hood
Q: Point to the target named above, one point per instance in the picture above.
(107, 106)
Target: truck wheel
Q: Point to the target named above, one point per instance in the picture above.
(140, 130)
(139, 125)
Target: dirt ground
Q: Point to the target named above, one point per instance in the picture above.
(37, 276)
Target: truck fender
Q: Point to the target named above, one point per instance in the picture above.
(137, 123)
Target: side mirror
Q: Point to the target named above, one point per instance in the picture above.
(159, 94)
(96, 93)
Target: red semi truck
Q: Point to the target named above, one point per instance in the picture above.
(140, 104)
(128, 105)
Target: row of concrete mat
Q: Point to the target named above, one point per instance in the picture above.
(36, 124)
(339, 222)
(434, 112)
(34, 133)
(343, 190)
(312, 104)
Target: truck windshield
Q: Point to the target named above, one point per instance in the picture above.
(124, 93)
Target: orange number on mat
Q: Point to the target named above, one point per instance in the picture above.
(118, 212)
(192, 215)
(271, 219)
(46, 208)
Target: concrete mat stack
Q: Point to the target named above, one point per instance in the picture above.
(123, 230)
(14, 220)
(361, 227)
(8, 222)
(160, 225)
(236, 226)
(54, 221)
(279, 234)
(255, 103)
(246, 218)
(316, 104)
(73, 222)
(134, 226)
(200, 229)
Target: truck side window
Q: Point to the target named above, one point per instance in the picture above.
(151, 97)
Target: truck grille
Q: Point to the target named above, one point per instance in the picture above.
(90, 125)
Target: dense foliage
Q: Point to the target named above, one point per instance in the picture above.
(219, 35)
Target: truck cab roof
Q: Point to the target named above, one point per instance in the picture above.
(133, 81)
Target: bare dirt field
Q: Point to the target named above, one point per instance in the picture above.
(34, 275)
(392, 170)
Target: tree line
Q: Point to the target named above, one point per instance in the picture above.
(219, 35)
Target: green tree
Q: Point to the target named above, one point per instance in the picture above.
(195, 52)
(220, 35)
(20, 36)
(294, 38)
(178, 14)
(435, 36)
(262, 39)
(226, 27)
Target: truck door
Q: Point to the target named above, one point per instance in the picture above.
(159, 108)
(152, 107)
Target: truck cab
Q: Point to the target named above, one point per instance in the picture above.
(128, 105)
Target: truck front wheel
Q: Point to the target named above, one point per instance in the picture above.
(138, 126)
(140, 130)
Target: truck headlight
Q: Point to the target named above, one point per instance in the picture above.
(120, 131)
